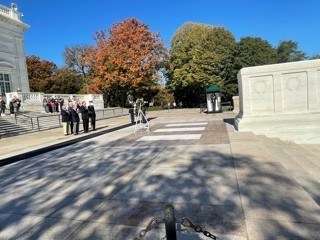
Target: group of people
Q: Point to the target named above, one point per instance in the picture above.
(53, 104)
(14, 105)
(71, 119)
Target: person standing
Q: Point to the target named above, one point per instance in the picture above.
(16, 102)
(11, 107)
(85, 116)
(2, 106)
(92, 116)
(52, 105)
(70, 110)
(131, 112)
(65, 118)
(60, 103)
(45, 105)
(75, 119)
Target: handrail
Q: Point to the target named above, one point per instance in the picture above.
(37, 123)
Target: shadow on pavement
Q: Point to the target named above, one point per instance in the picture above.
(89, 190)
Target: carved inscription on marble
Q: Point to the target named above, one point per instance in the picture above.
(261, 86)
(294, 84)
(294, 92)
(261, 97)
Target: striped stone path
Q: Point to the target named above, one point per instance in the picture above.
(182, 133)
(174, 129)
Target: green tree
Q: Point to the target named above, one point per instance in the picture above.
(200, 55)
(65, 81)
(163, 98)
(288, 52)
(254, 51)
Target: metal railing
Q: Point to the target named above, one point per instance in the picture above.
(29, 123)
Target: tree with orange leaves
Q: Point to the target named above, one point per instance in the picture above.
(126, 61)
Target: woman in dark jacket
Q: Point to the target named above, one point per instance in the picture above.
(85, 116)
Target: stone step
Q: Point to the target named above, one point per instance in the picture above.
(292, 155)
(299, 128)
(296, 159)
(301, 156)
(27, 122)
(8, 129)
(270, 140)
(312, 154)
(278, 152)
(241, 136)
(299, 136)
(309, 184)
(313, 148)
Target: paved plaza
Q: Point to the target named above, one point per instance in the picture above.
(110, 183)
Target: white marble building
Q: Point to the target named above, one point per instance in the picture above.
(13, 68)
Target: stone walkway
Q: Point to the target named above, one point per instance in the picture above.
(109, 185)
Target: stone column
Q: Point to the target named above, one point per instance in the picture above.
(235, 100)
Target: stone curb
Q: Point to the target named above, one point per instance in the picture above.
(25, 155)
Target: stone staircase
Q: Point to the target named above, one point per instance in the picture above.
(25, 122)
(31, 121)
(299, 128)
(302, 161)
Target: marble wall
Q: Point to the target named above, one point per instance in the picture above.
(281, 100)
(280, 89)
(33, 101)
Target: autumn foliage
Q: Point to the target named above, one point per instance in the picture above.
(39, 73)
(127, 59)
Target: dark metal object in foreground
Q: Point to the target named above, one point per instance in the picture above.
(170, 225)
(170, 222)
(187, 223)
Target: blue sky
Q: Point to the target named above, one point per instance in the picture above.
(56, 24)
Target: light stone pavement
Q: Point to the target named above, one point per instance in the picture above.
(236, 185)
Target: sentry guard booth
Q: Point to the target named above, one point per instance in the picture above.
(213, 99)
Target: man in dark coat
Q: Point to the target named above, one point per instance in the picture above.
(92, 116)
(2, 106)
(132, 112)
(65, 118)
(85, 116)
(70, 110)
(75, 119)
